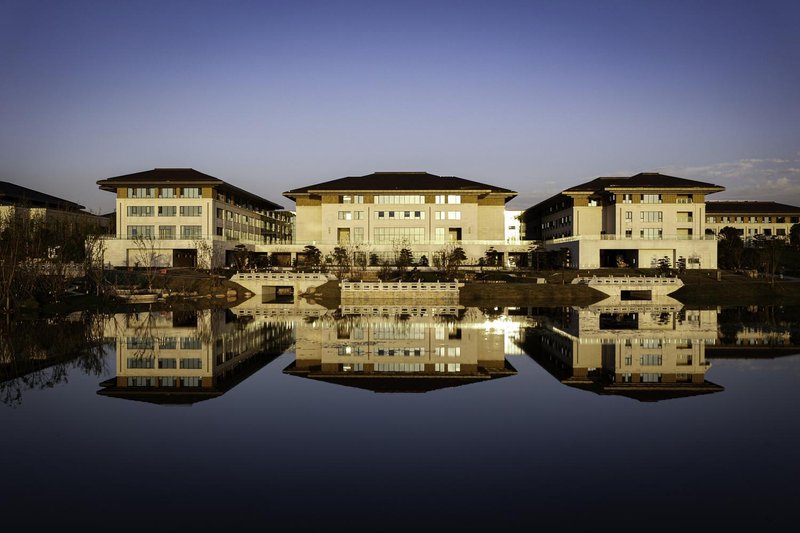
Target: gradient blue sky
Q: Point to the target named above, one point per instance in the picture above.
(533, 96)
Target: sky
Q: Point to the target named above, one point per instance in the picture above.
(274, 95)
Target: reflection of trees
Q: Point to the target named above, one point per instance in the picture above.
(40, 354)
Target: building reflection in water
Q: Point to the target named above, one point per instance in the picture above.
(183, 358)
(641, 350)
(402, 348)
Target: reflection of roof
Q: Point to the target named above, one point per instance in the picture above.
(399, 181)
(643, 392)
(401, 382)
(222, 383)
(747, 207)
(647, 392)
(13, 194)
(157, 395)
(179, 176)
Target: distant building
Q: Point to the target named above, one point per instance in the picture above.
(385, 211)
(752, 219)
(177, 213)
(627, 221)
(19, 200)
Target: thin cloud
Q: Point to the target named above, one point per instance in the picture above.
(749, 179)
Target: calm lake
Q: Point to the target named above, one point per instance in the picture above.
(397, 418)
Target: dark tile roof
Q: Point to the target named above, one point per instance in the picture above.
(400, 181)
(178, 176)
(164, 175)
(13, 194)
(748, 207)
(648, 180)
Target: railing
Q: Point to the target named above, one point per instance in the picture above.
(280, 276)
(628, 280)
(399, 286)
(614, 237)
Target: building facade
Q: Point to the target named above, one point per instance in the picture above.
(627, 221)
(752, 219)
(16, 200)
(384, 211)
(177, 217)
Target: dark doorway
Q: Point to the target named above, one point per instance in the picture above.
(271, 294)
(619, 258)
(184, 258)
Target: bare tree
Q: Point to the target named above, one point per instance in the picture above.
(148, 256)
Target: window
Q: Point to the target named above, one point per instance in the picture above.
(400, 215)
(358, 215)
(140, 210)
(191, 210)
(168, 363)
(627, 198)
(167, 192)
(141, 362)
(399, 199)
(190, 382)
(453, 198)
(711, 220)
(781, 232)
(390, 235)
(351, 199)
(167, 210)
(684, 199)
(141, 192)
(345, 215)
(191, 192)
(685, 216)
(628, 234)
(141, 381)
(191, 343)
(454, 215)
(439, 234)
(440, 199)
(166, 232)
(628, 216)
(168, 343)
(140, 231)
(651, 198)
(358, 235)
(650, 233)
(439, 215)
(650, 216)
(191, 232)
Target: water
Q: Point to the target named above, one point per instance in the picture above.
(387, 418)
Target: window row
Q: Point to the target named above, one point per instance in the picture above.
(150, 362)
(164, 192)
(753, 219)
(164, 232)
(165, 210)
(400, 199)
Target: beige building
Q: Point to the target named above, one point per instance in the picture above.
(647, 351)
(171, 357)
(401, 349)
(16, 200)
(182, 217)
(627, 221)
(382, 212)
(752, 219)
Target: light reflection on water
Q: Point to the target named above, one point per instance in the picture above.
(538, 413)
